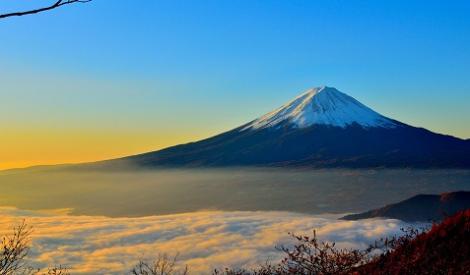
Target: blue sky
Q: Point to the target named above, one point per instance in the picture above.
(195, 68)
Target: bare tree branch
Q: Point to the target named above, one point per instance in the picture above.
(13, 250)
(162, 265)
(57, 4)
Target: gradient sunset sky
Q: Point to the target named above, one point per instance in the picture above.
(111, 78)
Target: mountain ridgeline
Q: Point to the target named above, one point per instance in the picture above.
(322, 127)
(420, 208)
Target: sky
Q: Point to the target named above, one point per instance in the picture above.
(111, 78)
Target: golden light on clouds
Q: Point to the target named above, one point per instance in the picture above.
(205, 240)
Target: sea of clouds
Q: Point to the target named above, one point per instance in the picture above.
(204, 240)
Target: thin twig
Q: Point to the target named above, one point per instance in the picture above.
(53, 6)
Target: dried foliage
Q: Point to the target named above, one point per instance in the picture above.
(266, 269)
(310, 256)
(58, 270)
(162, 265)
(14, 249)
(444, 249)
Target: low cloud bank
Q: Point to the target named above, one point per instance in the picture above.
(204, 240)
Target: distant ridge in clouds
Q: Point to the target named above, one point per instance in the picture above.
(205, 240)
(423, 207)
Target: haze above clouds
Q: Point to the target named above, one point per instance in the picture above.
(156, 192)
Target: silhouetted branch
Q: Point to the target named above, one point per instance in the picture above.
(53, 6)
(58, 270)
(13, 250)
(162, 265)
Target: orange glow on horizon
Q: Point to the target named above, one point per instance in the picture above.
(32, 147)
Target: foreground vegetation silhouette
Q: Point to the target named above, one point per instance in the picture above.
(54, 5)
(13, 251)
(162, 265)
(443, 249)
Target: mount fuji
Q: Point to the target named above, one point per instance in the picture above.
(322, 127)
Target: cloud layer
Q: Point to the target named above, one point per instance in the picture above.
(204, 240)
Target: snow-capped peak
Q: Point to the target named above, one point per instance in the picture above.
(325, 106)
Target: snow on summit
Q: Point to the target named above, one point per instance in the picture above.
(324, 106)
